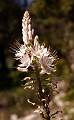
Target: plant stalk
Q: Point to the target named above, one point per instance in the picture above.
(45, 103)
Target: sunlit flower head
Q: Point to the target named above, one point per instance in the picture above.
(32, 49)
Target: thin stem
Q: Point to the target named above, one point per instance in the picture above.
(41, 95)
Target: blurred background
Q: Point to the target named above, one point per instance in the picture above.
(53, 21)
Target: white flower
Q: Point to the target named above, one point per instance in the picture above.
(38, 50)
(32, 49)
(25, 61)
(47, 65)
(23, 56)
(44, 56)
(20, 52)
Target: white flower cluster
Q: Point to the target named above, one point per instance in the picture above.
(32, 49)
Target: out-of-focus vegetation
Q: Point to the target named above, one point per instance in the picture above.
(53, 21)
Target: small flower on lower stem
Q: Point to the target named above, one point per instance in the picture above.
(22, 69)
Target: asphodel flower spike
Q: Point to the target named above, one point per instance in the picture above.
(32, 49)
(26, 28)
